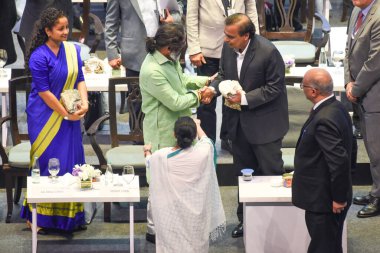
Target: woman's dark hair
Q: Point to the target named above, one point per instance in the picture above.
(185, 131)
(48, 19)
(172, 35)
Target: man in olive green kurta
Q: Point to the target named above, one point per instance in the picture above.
(167, 94)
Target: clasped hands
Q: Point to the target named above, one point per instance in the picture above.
(207, 94)
(79, 113)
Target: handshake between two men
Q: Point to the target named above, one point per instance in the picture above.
(230, 90)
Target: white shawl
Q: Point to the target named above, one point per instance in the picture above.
(186, 204)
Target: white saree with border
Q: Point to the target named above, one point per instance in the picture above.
(186, 204)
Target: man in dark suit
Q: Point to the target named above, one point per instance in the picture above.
(258, 129)
(322, 178)
(362, 78)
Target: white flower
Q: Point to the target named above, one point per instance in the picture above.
(85, 172)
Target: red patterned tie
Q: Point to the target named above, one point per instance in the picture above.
(359, 21)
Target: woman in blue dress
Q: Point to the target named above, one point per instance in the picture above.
(55, 66)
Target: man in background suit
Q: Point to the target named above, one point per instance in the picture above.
(136, 20)
(322, 175)
(258, 129)
(8, 17)
(362, 78)
(32, 11)
(205, 24)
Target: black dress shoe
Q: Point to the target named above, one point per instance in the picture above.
(150, 238)
(362, 200)
(238, 231)
(226, 145)
(370, 210)
(358, 134)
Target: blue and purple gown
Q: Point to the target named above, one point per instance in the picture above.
(50, 135)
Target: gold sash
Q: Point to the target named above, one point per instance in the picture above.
(51, 128)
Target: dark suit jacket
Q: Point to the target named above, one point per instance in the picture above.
(322, 160)
(265, 118)
(363, 57)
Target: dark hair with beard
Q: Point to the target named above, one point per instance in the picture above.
(48, 19)
(172, 35)
(185, 131)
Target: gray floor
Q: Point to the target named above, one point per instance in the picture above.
(114, 236)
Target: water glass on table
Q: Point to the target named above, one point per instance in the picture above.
(128, 174)
(53, 167)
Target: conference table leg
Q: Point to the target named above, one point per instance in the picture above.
(34, 228)
(131, 229)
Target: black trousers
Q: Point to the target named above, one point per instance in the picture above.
(325, 230)
(206, 113)
(264, 159)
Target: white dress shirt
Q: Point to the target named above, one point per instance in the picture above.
(149, 13)
(239, 62)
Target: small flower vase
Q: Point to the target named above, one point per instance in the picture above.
(289, 62)
(85, 184)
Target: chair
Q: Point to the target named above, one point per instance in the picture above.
(120, 155)
(299, 110)
(291, 42)
(16, 161)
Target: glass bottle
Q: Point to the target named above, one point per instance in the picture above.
(322, 59)
(109, 175)
(36, 171)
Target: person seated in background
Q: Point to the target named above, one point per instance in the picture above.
(186, 204)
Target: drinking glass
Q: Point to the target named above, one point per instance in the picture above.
(3, 60)
(337, 59)
(128, 174)
(53, 168)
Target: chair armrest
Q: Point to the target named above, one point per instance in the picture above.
(4, 119)
(91, 133)
(3, 154)
(326, 28)
(95, 126)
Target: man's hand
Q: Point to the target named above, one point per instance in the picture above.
(168, 19)
(207, 94)
(115, 63)
(338, 207)
(349, 93)
(235, 99)
(197, 59)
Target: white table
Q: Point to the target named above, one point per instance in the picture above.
(271, 222)
(46, 192)
(336, 74)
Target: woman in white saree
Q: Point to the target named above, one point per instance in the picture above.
(186, 203)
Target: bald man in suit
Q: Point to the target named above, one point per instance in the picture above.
(322, 175)
(362, 78)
